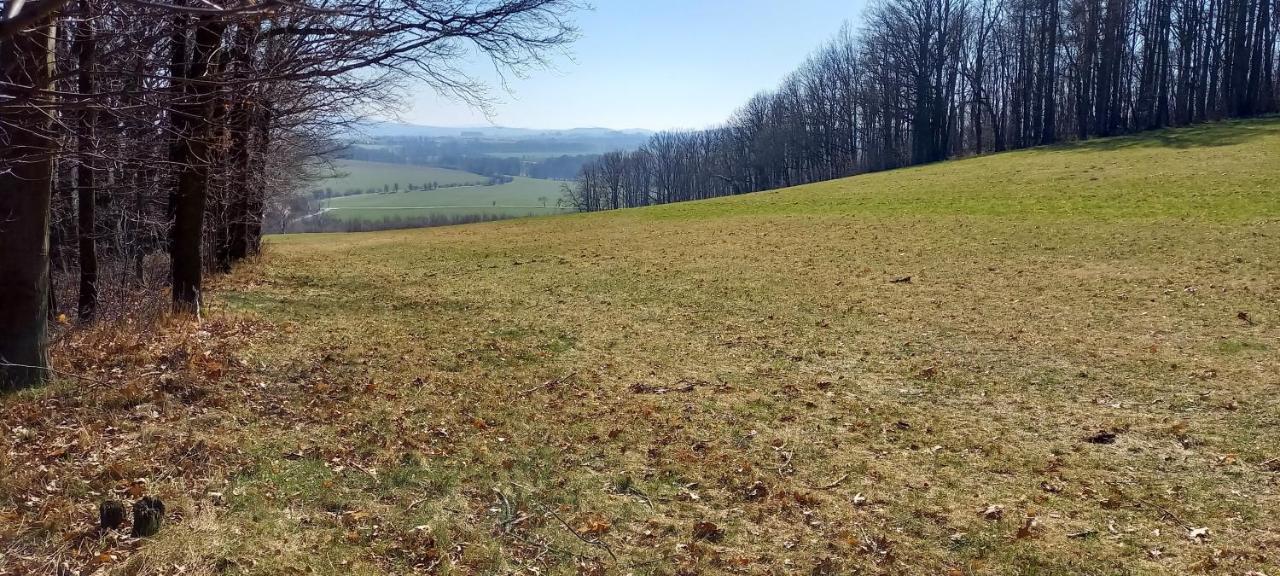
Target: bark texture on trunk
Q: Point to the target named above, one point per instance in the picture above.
(26, 175)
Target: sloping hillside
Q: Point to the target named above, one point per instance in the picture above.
(1054, 361)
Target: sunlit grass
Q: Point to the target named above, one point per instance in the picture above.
(463, 399)
(687, 352)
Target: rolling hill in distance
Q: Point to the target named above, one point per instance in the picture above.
(386, 129)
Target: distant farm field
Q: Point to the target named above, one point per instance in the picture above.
(520, 197)
(360, 175)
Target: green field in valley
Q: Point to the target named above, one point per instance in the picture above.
(520, 197)
(361, 175)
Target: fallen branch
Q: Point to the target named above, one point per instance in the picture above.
(548, 383)
(834, 483)
(51, 370)
(592, 541)
(1163, 511)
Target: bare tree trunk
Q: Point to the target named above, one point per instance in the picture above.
(1049, 132)
(186, 256)
(26, 179)
(241, 127)
(239, 218)
(263, 118)
(86, 184)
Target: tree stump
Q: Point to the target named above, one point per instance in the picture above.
(148, 515)
(111, 514)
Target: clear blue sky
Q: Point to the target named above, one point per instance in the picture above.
(655, 64)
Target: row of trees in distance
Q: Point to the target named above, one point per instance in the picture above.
(425, 152)
(926, 80)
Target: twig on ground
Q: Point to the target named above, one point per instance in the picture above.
(641, 495)
(548, 383)
(51, 370)
(592, 541)
(834, 483)
(414, 504)
(1163, 511)
(786, 460)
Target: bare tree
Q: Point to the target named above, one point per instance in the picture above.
(926, 80)
(187, 121)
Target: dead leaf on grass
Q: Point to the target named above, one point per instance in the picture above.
(594, 526)
(757, 491)
(1028, 528)
(707, 531)
(1102, 437)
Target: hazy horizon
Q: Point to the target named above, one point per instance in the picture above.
(480, 125)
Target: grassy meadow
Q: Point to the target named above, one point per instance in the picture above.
(1079, 377)
(361, 175)
(520, 197)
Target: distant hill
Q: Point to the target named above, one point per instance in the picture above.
(381, 129)
(473, 148)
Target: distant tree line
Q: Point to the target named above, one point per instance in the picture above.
(162, 131)
(437, 152)
(395, 188)
(927, 80)
(558, 167)
(415, 149)
(326, 223)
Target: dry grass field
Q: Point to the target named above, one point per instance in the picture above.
(1081, 376)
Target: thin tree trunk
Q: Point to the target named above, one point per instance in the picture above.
(241, 128)
(86, 185)
(256, 201)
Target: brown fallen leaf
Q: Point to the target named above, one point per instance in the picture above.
(1102, 437)
(828, 566)
(707, 531)
(757, 491)
(594, 526)
(1027, 530)
(1050, 487)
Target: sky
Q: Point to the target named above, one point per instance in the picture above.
(654, 64)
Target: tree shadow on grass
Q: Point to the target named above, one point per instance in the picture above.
(1213, 134)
